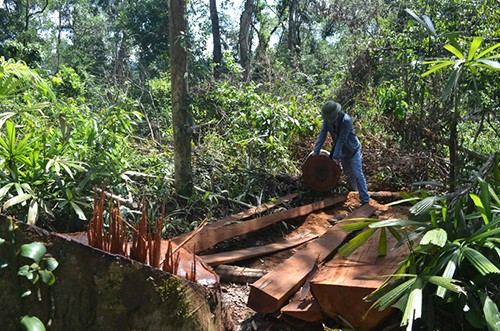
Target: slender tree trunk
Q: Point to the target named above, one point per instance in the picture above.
(217, 53)
(452, 145)
(181, 119)
(244, 38)
(292, 30)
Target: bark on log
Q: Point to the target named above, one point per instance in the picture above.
(270, 292)
(342, 283)
(235, 274)
(100, 291)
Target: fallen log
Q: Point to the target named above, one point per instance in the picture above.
(211, 236)
(235, 274)
(233, 218)
(341, 284)
(247, 253)
(270, 292)
(320, 172)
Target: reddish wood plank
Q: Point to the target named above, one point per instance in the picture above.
(306, 309)
(247, 253)
(210, 236)
(270, 292)
(342, 283)
(238, 217)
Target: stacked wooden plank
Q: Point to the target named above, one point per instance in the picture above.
(269, 293)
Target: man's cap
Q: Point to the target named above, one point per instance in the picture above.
(331, 110)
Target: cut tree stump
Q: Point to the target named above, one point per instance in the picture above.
(247, 253)
(342, 283)
(270, 292)
(211, 236)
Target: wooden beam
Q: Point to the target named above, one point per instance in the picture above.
(342, 283)
(247, 253)
(234, 218)
(306, 309)
(270, 292)
(211, 236)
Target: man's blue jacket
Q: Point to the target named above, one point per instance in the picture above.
(342, 132)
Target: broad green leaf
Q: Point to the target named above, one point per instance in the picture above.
(2, 241)
(480, 207)
(488, 50)
(413, 309)
(476, 42)
(451, 84)
(356, 242)
(447, 283)
(429, 25)
(491, 313)
(3, 263)
(51, 264)
(33, 212)
(449, 271)
(479, 261)
(47, 277)
(436, 67)
(17, 199)
(355, 224)
(437, 237)
(35, 251)
(455, 51)
(78, 211)
(396, 222)
(26, 293)
(490, 64)
(402, 201)
(424, 205)
(5, 189)
(394, 294)
(31, 323)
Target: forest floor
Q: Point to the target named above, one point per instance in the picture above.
(235, 296)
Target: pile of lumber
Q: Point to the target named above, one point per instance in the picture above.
(312, 284)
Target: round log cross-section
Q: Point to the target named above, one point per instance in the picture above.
(320, 172)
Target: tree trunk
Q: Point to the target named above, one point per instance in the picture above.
(214, 17)
(244, 38)
(453, 145)
(181, 119)
(292, 30)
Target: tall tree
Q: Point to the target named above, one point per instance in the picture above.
(181, 118)
(217, 51)
(244, 38)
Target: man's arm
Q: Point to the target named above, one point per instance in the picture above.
(321, 139)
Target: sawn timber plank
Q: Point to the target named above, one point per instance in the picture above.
(233, 218)
(250, 252)
(341, 284)
(270, 292)
(211, 236)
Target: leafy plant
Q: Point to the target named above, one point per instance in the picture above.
(41, 267)
(447, 277)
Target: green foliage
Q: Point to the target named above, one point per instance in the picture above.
(449, 273)
(40, 267)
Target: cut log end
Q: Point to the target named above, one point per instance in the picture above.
(321, 173)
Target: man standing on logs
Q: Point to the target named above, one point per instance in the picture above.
(346, 149)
